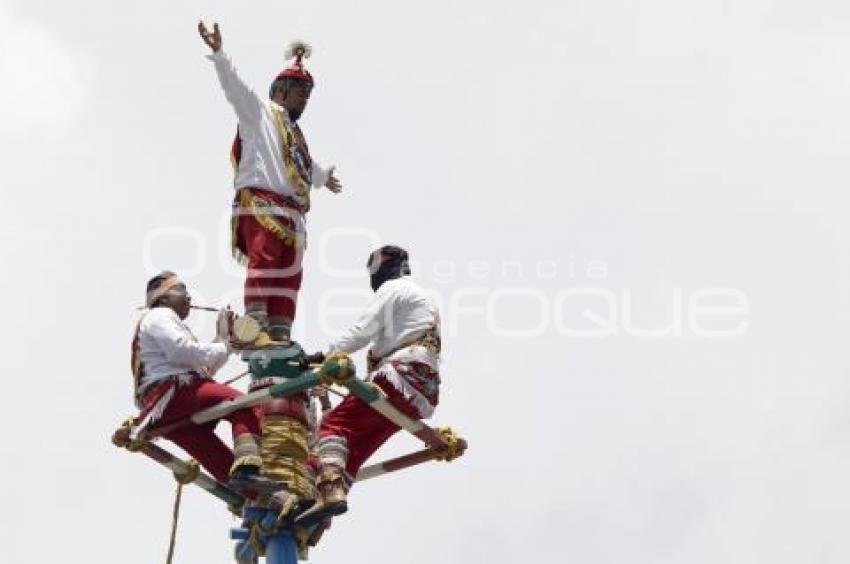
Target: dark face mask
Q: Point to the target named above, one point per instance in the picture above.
(389, 270)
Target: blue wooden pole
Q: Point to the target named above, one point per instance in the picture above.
(244, 552)
(281, 547)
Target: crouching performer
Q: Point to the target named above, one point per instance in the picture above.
(402, 324)
(172, 373)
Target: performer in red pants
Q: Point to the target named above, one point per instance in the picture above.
(363, 428)
(172, 373)
(274, 174)
(402, 324)
(200, 441)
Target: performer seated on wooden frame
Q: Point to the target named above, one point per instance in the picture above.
(402, 324)
(173, 378)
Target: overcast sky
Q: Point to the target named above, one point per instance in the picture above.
(633, 215)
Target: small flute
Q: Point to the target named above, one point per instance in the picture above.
(204, 308)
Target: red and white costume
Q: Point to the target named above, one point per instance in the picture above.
(172, 373)
(274, 174)
(402, 324)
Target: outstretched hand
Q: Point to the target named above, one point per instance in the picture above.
(333, 184)
(213, 40)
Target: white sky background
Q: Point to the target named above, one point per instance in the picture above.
(686, 145)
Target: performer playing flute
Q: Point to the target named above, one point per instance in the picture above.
(172, 376)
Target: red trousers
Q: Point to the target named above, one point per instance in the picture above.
(274, 269)
(200, 441)
(363, 428)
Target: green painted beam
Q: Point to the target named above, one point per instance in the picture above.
(294, 386)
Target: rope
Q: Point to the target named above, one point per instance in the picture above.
(192, 471)
(286, 509)
(255, 540)
(237, 377)
(336, 369)
(455, 446)
(331, 390)
(122, 437)
(136, 446)
(324, 400)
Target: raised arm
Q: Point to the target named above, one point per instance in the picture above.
(244, 100)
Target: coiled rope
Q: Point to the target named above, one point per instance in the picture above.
(284, 452)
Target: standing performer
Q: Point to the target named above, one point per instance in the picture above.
(274, 175)
(172, 375)
(402, 323)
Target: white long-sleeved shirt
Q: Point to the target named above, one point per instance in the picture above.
(168, 348)
(261, 164)
(400, 312)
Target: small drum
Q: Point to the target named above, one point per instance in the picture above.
(246, 329)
